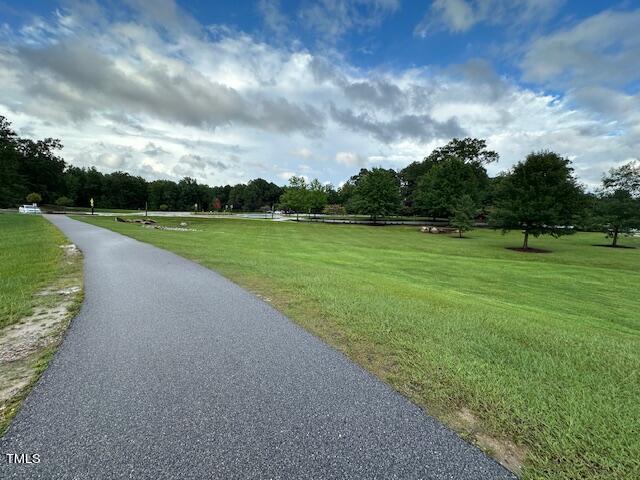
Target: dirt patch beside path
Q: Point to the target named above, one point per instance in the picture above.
(27, 345)
(507, 453)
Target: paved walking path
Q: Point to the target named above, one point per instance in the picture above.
(171, 371)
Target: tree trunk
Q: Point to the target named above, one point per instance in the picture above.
(460, 232)
(525, 245)
(615, 237)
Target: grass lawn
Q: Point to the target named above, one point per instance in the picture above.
(40, 290)
(30, 259)
(530, 355)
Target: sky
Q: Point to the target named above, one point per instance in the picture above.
(229, 91)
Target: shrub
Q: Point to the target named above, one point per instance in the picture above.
(64, 201)
(334, 209)
(34, 197)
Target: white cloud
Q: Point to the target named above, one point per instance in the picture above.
(286, 175)
(333, 18)
(273, 17)
(350, 159)
(458, 16)
(303, 153)
(224, 107)
(602, 49)
(110, 160)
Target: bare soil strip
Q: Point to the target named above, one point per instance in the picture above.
(27, 345)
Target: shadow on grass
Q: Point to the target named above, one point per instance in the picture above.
(528, 250)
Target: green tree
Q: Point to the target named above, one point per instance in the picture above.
(333, 196)
(539, 196)
(13, 187)
(259, 193)
(42, 168)
(163, 192)
(345, 194)
(83, 184)
(294, 198)
(316, 196)
(235, 201)
(122, 190)
(29, 166)
(34, 197)
(619, 213)
(64, 202)
(377, 193)
(223, 194)
(191, 193)
(626, 177)
(472, 151)
(464, 212)
(439, 190)
(618, 204)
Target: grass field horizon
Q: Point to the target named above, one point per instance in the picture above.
(537, 351)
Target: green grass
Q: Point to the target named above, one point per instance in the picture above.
(30, 259)
(543, 349)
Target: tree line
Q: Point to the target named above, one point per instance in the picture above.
(539, 195)
(34, 169)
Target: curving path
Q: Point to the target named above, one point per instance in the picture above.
(171, 371)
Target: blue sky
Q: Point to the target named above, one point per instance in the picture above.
(228, 91)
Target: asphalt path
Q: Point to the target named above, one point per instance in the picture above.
(172, 371)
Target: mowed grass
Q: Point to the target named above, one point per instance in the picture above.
(542, 350)
(30, 259)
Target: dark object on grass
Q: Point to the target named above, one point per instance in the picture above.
(143, 221)
(528, 250)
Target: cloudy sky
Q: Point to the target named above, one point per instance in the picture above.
(229, 91)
